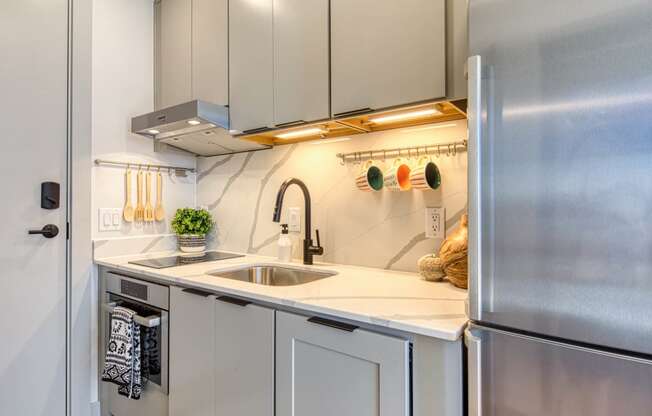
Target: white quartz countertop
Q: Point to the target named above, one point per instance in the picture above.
(391, 299)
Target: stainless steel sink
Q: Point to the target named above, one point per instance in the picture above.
(274, 275)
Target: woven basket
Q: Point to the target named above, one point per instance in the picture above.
(454, 254)
(192, 243)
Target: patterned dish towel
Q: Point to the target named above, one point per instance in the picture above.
(151, 356)
(122, 364)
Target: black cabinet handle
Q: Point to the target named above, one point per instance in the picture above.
(233, 301)
(49, 231)
(197, 292)
(333, 324)
(354, 112)
(290, 123)
(256, 130)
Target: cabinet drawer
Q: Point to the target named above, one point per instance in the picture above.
(323, 369)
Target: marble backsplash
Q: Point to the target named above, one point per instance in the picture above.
(383, 229)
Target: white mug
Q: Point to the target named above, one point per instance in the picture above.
(397, 177)
(425, 175)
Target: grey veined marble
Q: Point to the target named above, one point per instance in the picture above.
(383, 229)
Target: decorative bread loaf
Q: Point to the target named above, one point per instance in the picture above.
(454, 253)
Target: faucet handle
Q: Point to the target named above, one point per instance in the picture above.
(318, 241)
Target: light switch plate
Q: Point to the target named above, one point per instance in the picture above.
(109, 219)
(294, 219)
(436, 223)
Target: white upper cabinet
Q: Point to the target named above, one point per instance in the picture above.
(173, 54)
(386, 53)
(191, 52)
(210, 51)
(251, 64)
(301, 61)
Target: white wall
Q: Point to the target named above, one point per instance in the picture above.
(384, 229)
(123, 86)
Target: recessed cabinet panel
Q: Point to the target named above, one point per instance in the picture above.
(301, 60)
(251, 64)
(173, 52)
(210, 50)
(386, 53)
(323, 371)
(244, 355)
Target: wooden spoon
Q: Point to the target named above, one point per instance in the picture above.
(128, 212)
(139, 196)
(149, 210)
(159, 212)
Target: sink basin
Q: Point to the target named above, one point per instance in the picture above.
(274, 275)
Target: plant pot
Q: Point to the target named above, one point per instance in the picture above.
(192, 243)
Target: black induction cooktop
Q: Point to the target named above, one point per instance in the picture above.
(165, 262)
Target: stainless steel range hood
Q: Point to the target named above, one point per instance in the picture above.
(197, 127)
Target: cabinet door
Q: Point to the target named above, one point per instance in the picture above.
(301, 60)
(210, 50)
(244, 340)
(251, 64)
(325, 371)
(173, 45)
(386, 53)
(192, 353)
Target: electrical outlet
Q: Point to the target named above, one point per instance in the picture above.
(109, 219)
(294, 219)
(436, 223)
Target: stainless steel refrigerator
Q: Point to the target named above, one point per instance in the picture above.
(560, 204)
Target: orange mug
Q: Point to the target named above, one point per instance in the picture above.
(397, 177)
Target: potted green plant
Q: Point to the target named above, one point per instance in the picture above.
(191, 226)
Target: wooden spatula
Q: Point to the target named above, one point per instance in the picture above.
(159, 212)
(139, 197)
(128, 211)
(149, 211)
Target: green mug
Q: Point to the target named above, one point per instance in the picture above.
(370, 178)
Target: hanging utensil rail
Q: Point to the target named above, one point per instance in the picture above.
(178, 170)
(438, 149)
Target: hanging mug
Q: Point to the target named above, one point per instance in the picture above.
(370, 177)
(425, 175)
(397, 177)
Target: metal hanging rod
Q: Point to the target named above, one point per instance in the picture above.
(438, 149)
(178, 170)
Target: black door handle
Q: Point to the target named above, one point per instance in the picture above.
(49, 231)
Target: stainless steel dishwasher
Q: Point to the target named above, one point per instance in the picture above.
(150, 301)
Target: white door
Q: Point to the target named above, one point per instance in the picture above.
(33, 139)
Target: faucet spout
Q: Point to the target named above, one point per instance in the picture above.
(308, 249)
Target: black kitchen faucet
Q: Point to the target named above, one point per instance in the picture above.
(308, 249)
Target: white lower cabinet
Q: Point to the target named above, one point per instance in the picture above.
(244, 358)
(221, 356)
(192, 352)
(231, 357)
(324, 368)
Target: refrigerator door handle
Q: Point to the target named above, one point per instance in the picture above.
(474, 185)
(474, 373)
